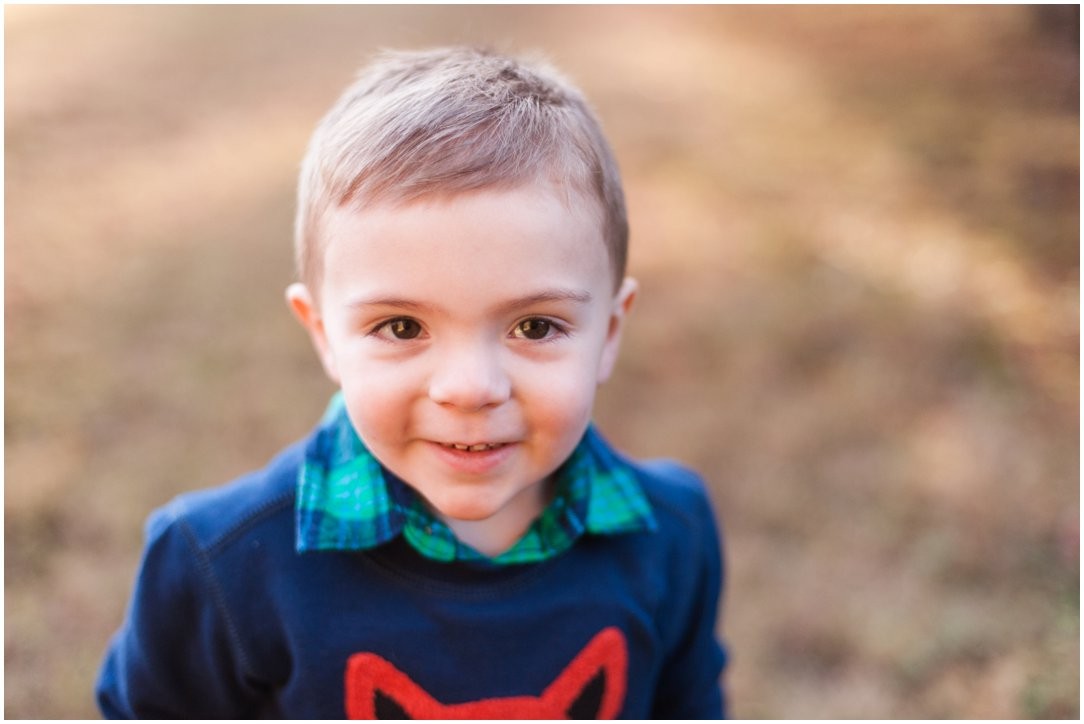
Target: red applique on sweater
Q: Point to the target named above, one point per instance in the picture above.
(592, 686)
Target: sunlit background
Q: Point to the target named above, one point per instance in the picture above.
(856, 230)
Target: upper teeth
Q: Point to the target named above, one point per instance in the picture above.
(475, 448)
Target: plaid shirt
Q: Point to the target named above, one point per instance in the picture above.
(347, 502)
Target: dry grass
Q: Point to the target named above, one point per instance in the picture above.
(857, 234)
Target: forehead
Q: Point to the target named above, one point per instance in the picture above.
(490, 240)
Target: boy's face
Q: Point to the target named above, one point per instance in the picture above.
(486, 320)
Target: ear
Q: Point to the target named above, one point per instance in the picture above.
(304, 307)
(621, 305)
(593, 685)
(375, 689)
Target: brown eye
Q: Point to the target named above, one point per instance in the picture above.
(404, 328)
(533, 329)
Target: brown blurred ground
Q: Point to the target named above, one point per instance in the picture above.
(857, 235)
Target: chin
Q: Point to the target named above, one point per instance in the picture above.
(469, 511)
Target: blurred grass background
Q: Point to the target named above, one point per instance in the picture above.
(856, 230)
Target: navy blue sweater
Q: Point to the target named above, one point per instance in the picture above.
(228, 621)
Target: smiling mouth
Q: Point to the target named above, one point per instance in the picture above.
(480, 447)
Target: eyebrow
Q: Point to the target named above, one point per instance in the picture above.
(396, 302)
(574, 296)
(548, 295)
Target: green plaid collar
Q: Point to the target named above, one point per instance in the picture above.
(346, 501)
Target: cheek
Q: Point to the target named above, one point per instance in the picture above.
(378, 400)
(559, 400)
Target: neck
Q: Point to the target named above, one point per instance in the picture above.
(499, 532)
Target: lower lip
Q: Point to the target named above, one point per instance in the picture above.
(473, 463)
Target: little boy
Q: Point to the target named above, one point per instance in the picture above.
(455, 539)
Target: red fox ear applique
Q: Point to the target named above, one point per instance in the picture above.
(592, 686)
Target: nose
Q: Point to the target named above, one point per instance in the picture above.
(470, 377)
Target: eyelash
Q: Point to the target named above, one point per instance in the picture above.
(558, 329)
(387, 325)
(554, 329)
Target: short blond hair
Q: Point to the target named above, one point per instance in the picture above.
(447, 121)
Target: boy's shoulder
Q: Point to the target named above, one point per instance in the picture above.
(677, 493)
(211, 517)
